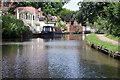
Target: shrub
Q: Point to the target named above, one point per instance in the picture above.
(37, 24)
(59, 24)
(45, 21)
(29, 24)
(14, 28)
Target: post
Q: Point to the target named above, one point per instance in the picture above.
(17, 13)
(32, 20)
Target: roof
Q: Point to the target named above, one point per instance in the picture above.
(28, 8)
(68, 17)
(51, 26)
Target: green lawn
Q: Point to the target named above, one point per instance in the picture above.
(95, 40)
(116, 38)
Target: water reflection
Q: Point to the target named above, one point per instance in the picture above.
(65, 57)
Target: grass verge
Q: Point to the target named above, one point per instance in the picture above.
(116, 38)
(95, 40)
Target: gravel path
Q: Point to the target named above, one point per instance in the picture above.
(102, 37)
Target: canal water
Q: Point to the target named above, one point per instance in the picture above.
(66, 56)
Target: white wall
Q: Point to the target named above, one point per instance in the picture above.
(39, 28)
(87, 28)
(49, 24)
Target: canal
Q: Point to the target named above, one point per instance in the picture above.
(66, 56)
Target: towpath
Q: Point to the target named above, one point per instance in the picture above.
(102, 37)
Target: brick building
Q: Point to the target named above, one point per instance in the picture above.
(71, 23)
(5, 5)
(73, 27)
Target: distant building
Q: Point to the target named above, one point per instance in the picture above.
(72, 27)
(72, 24)
(87, 29)
(25, 12)
(5, 5)
(53, 18)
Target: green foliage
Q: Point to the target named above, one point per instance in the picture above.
(95, 40)
(52, 8)
(45, 21)
(116, 38)
(90, 11)
(21, 4)
(37, 24)
(48, 7)
(113, 17)
(80, 18)
(103, 15)
(64, 12)
(59, 24)
(64, 26)
(14, 28)
(101, 24)
(5, 11)
(29, 24)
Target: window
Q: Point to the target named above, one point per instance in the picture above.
(47, 29)
(6, 4)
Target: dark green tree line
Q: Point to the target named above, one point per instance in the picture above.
(113, 17)
(47, 7)
(101, 14)
(89, 11)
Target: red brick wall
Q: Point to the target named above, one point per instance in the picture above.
(71, 27)
(4, 7)
(73, 37)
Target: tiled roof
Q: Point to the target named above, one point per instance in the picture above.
(28, 8)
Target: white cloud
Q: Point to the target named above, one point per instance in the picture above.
(72, 5)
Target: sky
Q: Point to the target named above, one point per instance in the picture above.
(72, 5)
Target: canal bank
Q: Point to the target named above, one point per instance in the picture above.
(104, 45)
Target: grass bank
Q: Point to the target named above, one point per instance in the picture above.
(116, 38)
(95, 40)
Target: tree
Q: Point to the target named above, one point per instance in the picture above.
(101, 24)
(90, 11)
(113, 17)
(48, 7)
(52, 8)
(59, 24)
(68, 17)
(64, 12)
(21, 4)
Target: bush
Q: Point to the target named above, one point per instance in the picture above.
(59, 24)
(64, 26)
(29, 24)
(37, 24)
(45, 21)
(14, 28)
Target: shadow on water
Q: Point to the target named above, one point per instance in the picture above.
(93, 70)
(65, 57)
(15, 40)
